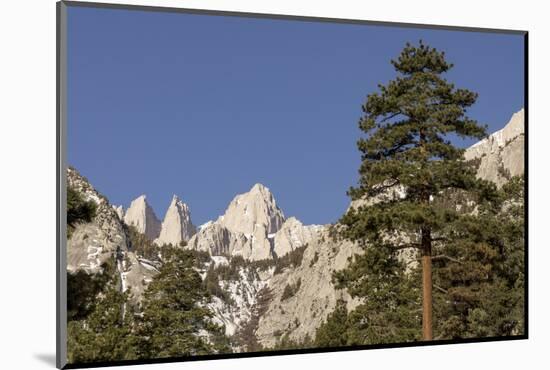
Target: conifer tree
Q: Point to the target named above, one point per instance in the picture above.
(408, 161)
(78, 210)
(175, 320)
(481, 279)
(105, 334)
(333, 332)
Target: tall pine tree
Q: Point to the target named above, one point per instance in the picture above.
(480, 274)
(408, 161)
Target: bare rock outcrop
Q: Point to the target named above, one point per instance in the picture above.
(247, 228)
(104, 240)
(92, 244)
(300, 315)
(177, 226)
(217, 240)
(119, 211)
(501, 154)
(256, 208)
(293, 234)
(143, 218)
(220, 241)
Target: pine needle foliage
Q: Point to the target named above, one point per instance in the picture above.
(411, 172)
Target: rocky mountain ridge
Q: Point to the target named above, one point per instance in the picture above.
(502, 153)
(105, 240)
(253, 228)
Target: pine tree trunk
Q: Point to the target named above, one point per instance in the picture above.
(427, 333)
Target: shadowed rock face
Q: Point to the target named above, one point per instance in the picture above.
(502, 153)
(217, 240)
(177, 225)
(141, 215)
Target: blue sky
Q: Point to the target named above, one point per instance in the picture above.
(206, 106)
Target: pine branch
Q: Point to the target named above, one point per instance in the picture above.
(387, 118)
(407, 246)
(444, 256)
(440, 289)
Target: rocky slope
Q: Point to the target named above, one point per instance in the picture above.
(502, 153)
(93, 244)
(292, 234)
(298, 316)
(104, 240)
(119, 211)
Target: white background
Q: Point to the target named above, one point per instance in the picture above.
(27, 182)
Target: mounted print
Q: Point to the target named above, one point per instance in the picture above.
(234, 185)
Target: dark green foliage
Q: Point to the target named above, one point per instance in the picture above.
(141, 244)
(333, 332)
(504, 172)
(174, 313)
(391, 309)
(246, 336)
(408, 124)
(478, 281)
(284, 342)
(314, 259)
(145, 248)
(212, 283)
(291, 290)
(292, 259)
(237, 269)
(78, 210)
(99, 326)
(231, 270)
(172, 319)
(202, 257)
(263, 265)
(415, 178)
(480, 276)
(105, 335)
(83, 289)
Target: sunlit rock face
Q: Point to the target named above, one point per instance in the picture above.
(104, 241)
(143, 218)
(256, 208)
(177, 226)
(501, 154)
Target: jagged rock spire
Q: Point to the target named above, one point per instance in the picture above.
(141, 215)
(177, 225)
(256, 208)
